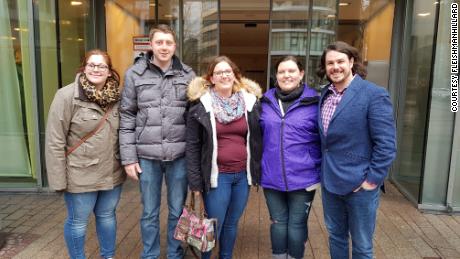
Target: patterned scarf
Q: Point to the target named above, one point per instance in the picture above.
(110, 93)
(229, 109)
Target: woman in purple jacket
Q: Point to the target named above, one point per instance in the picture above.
(291, 157)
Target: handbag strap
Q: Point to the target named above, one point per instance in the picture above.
(91, 133)
(201, 212)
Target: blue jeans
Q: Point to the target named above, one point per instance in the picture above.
(150, 181)
(227, 203)
(79, 208)
(289, 215)
(352, 214)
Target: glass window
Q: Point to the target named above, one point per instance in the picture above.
(201, 33)
(168, 13)
(297, 26)
(74, 36)
(323, 32)
(413, 114)
(17, 119)
(441, 123)
(368, 25)
(289, 22)
(127, 28)
(47, 71)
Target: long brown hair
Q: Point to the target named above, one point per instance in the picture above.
(236, 71)
(105, 55)
(350, 51)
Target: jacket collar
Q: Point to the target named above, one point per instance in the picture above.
(348, 95)
(143, 63)
(200, 86)
(308, 96)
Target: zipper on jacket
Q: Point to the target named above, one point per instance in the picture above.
(283, 167)
(302, 102)
(281, 114)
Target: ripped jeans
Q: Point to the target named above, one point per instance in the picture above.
(289, 214)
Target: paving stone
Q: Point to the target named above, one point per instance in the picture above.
(402, 231)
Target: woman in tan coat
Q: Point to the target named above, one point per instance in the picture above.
(82, 154)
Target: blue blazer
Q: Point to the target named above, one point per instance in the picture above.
(360, 143)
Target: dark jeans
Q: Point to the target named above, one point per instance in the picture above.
(352, 214)
(227, 203)
(289, 214)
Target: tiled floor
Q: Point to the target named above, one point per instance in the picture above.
(34, 224)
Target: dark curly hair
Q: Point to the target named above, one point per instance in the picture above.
(350, 51)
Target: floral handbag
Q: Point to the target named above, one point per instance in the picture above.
(194, 228)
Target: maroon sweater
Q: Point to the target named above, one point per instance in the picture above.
(231, 146)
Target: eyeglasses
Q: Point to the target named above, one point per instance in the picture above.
(100, 67)
(223, 73)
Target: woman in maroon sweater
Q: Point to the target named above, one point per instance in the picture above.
(223, 145)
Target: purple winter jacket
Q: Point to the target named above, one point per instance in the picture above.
(291, 157)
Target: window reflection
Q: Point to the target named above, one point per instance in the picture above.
(412, 136)
(441, 123)
(17, 135)
(201, 33)
(368, 25)
(74, 30)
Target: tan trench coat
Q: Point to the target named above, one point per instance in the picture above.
(95, 164)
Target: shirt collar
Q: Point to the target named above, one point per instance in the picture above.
(336, 91)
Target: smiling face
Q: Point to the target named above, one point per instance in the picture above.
(339, 69)
(97, 71)
(163, 46)
(223, 78)
(288, 76)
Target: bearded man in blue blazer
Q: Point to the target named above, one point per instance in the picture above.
(358, 138)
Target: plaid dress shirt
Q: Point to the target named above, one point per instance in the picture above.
(331, 102)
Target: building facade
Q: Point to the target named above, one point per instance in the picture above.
(405, 45)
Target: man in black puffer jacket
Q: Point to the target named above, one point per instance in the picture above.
(152, 135)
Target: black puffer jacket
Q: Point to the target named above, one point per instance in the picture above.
(152, 111)
(201, 149)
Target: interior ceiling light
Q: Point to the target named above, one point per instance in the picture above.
(168, 16)
(423, 14)
(344, 4)
(74, 3)
(330, 16)
(152, 4)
